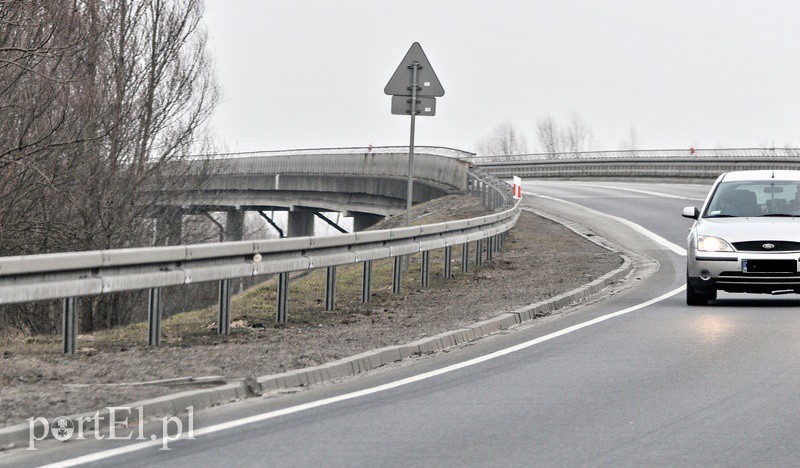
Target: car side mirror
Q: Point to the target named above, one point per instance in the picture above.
(691, 212)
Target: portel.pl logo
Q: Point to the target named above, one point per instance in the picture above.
(114, 424)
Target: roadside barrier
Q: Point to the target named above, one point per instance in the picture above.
(70, 275)
(688, 163)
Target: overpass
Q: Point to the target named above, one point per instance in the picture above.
(366, 184)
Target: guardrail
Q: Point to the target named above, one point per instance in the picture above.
(737, 153)
(437, 150)
(703, 164)
(75, 274)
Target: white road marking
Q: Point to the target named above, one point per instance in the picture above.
(644, 192)
(649, 234)
(105, 454)
(369, 391)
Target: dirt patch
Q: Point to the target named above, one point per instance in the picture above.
(541, 259)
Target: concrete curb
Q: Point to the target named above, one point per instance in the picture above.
(353, 365)
(164, 406)
(176, 404)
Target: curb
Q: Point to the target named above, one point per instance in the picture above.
(168, 405)
(357, 364)
(176, 404)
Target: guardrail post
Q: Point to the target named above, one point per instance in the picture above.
(154, 317)
(397, 274)
(234, 226)
(224, 316)
(283, 297)
(425, 269)
(330, 288)
(484, 194)
(465, 257)
(489, 248)
(479, 252)
(69, 329)
(366, 282)
(448, 259)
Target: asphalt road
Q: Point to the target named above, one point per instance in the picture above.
(663, 384)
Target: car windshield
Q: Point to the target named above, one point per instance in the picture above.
(755, 198)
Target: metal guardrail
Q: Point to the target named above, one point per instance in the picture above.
(434, 150)
(703, 164)
(75, 274)
(739, 153)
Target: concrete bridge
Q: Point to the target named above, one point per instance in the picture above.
(366, 184)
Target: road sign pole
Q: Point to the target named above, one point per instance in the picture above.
(423, 102)
(410, 192)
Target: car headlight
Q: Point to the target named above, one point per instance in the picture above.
(712, 244)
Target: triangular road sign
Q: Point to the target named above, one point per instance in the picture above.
(400, 83)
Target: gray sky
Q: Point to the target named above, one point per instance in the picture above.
(306, 74)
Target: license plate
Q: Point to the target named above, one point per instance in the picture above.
(769, 266)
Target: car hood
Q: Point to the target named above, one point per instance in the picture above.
(749, 229)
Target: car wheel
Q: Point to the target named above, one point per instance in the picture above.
(694, 298)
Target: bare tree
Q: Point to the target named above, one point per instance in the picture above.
(504, 139)
(632, 143)
(577, 136)
(549, 136)
(102, 101)
(574, 136)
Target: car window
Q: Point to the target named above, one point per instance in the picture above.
(755, 198)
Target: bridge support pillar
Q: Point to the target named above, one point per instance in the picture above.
(362, 221)
(301, 223)
(234, 226)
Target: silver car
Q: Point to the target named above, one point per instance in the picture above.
(746, 238)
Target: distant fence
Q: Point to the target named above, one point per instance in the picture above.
(684, 163)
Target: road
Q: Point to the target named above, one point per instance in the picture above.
(660, 384)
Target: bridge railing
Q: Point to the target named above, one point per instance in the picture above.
(723, 153)
(686, 164)
(68, 276)
(363, 150)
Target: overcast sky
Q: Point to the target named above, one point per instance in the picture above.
(309, 74)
